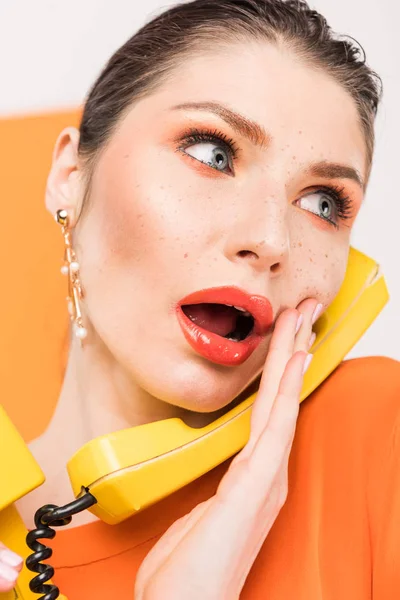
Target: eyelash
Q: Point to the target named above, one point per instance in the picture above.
(194, 136)
(336, 193)
(343, 203)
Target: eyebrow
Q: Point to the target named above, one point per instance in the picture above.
(257, 135)
(247, 128)
(335, 171)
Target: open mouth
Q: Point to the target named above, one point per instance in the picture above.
(231, 322)
(224, 324)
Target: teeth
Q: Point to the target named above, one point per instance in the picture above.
(245, 312)
(240, 309)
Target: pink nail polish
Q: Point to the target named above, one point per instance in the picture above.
(317, 312)
(312, 339)
(307, 362)
(299, 322)
(10, 558)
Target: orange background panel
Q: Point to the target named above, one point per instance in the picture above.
(33, 312)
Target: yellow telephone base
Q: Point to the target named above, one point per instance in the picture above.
(18, 468)
(13, 535)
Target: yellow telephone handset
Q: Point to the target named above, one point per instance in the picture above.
(133, 468)
(128, 470)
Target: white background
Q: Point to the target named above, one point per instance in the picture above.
(52, 50)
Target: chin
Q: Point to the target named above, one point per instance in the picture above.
(196, 387)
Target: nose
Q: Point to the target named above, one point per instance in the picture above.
(262, 239)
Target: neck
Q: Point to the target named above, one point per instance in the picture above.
(97, 397)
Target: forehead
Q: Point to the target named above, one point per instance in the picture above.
(298, 104)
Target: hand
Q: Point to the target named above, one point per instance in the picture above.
(10, 566)
(208, 553)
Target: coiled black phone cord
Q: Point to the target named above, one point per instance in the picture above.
(50, 514)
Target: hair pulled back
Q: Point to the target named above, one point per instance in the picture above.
(150, 56)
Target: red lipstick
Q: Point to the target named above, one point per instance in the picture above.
(217, 348)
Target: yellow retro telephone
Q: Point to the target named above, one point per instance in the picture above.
(122, 473)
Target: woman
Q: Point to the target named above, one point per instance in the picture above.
(227, 145)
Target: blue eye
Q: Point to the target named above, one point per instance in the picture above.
(329, 203)
(210, 154)
(214, 149)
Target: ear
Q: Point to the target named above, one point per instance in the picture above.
(65, 185)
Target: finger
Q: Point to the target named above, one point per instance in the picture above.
(311, 343)
(10, 565)
(250, 474)
(272, 446)
(279, 352)
(10, 558)
(311, 310)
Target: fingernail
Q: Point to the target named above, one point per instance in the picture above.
(307, 362)
(299, 322)
(317, 312)
(312, 339)
(7, 573)
(10, 558)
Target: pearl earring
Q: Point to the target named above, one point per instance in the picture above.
(71, 269)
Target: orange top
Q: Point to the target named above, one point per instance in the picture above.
(336, 538)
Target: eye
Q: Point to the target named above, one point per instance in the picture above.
(212, 148)
(330, 204)
(319, 204)
(211, 154)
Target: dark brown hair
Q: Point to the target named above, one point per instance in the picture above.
(150, 56)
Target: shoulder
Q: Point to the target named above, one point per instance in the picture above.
(361, 398)
(372, 370)
(362, 381)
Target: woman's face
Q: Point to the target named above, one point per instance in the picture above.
(188, 198)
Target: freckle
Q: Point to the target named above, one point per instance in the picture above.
(300, 244)
(311, 260)
(326, 256)
(185, 255)
(160, 239)
(140, 216)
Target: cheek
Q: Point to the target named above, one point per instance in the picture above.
(146, 224)
(132, 215)
(319, 270)
(148, 208)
